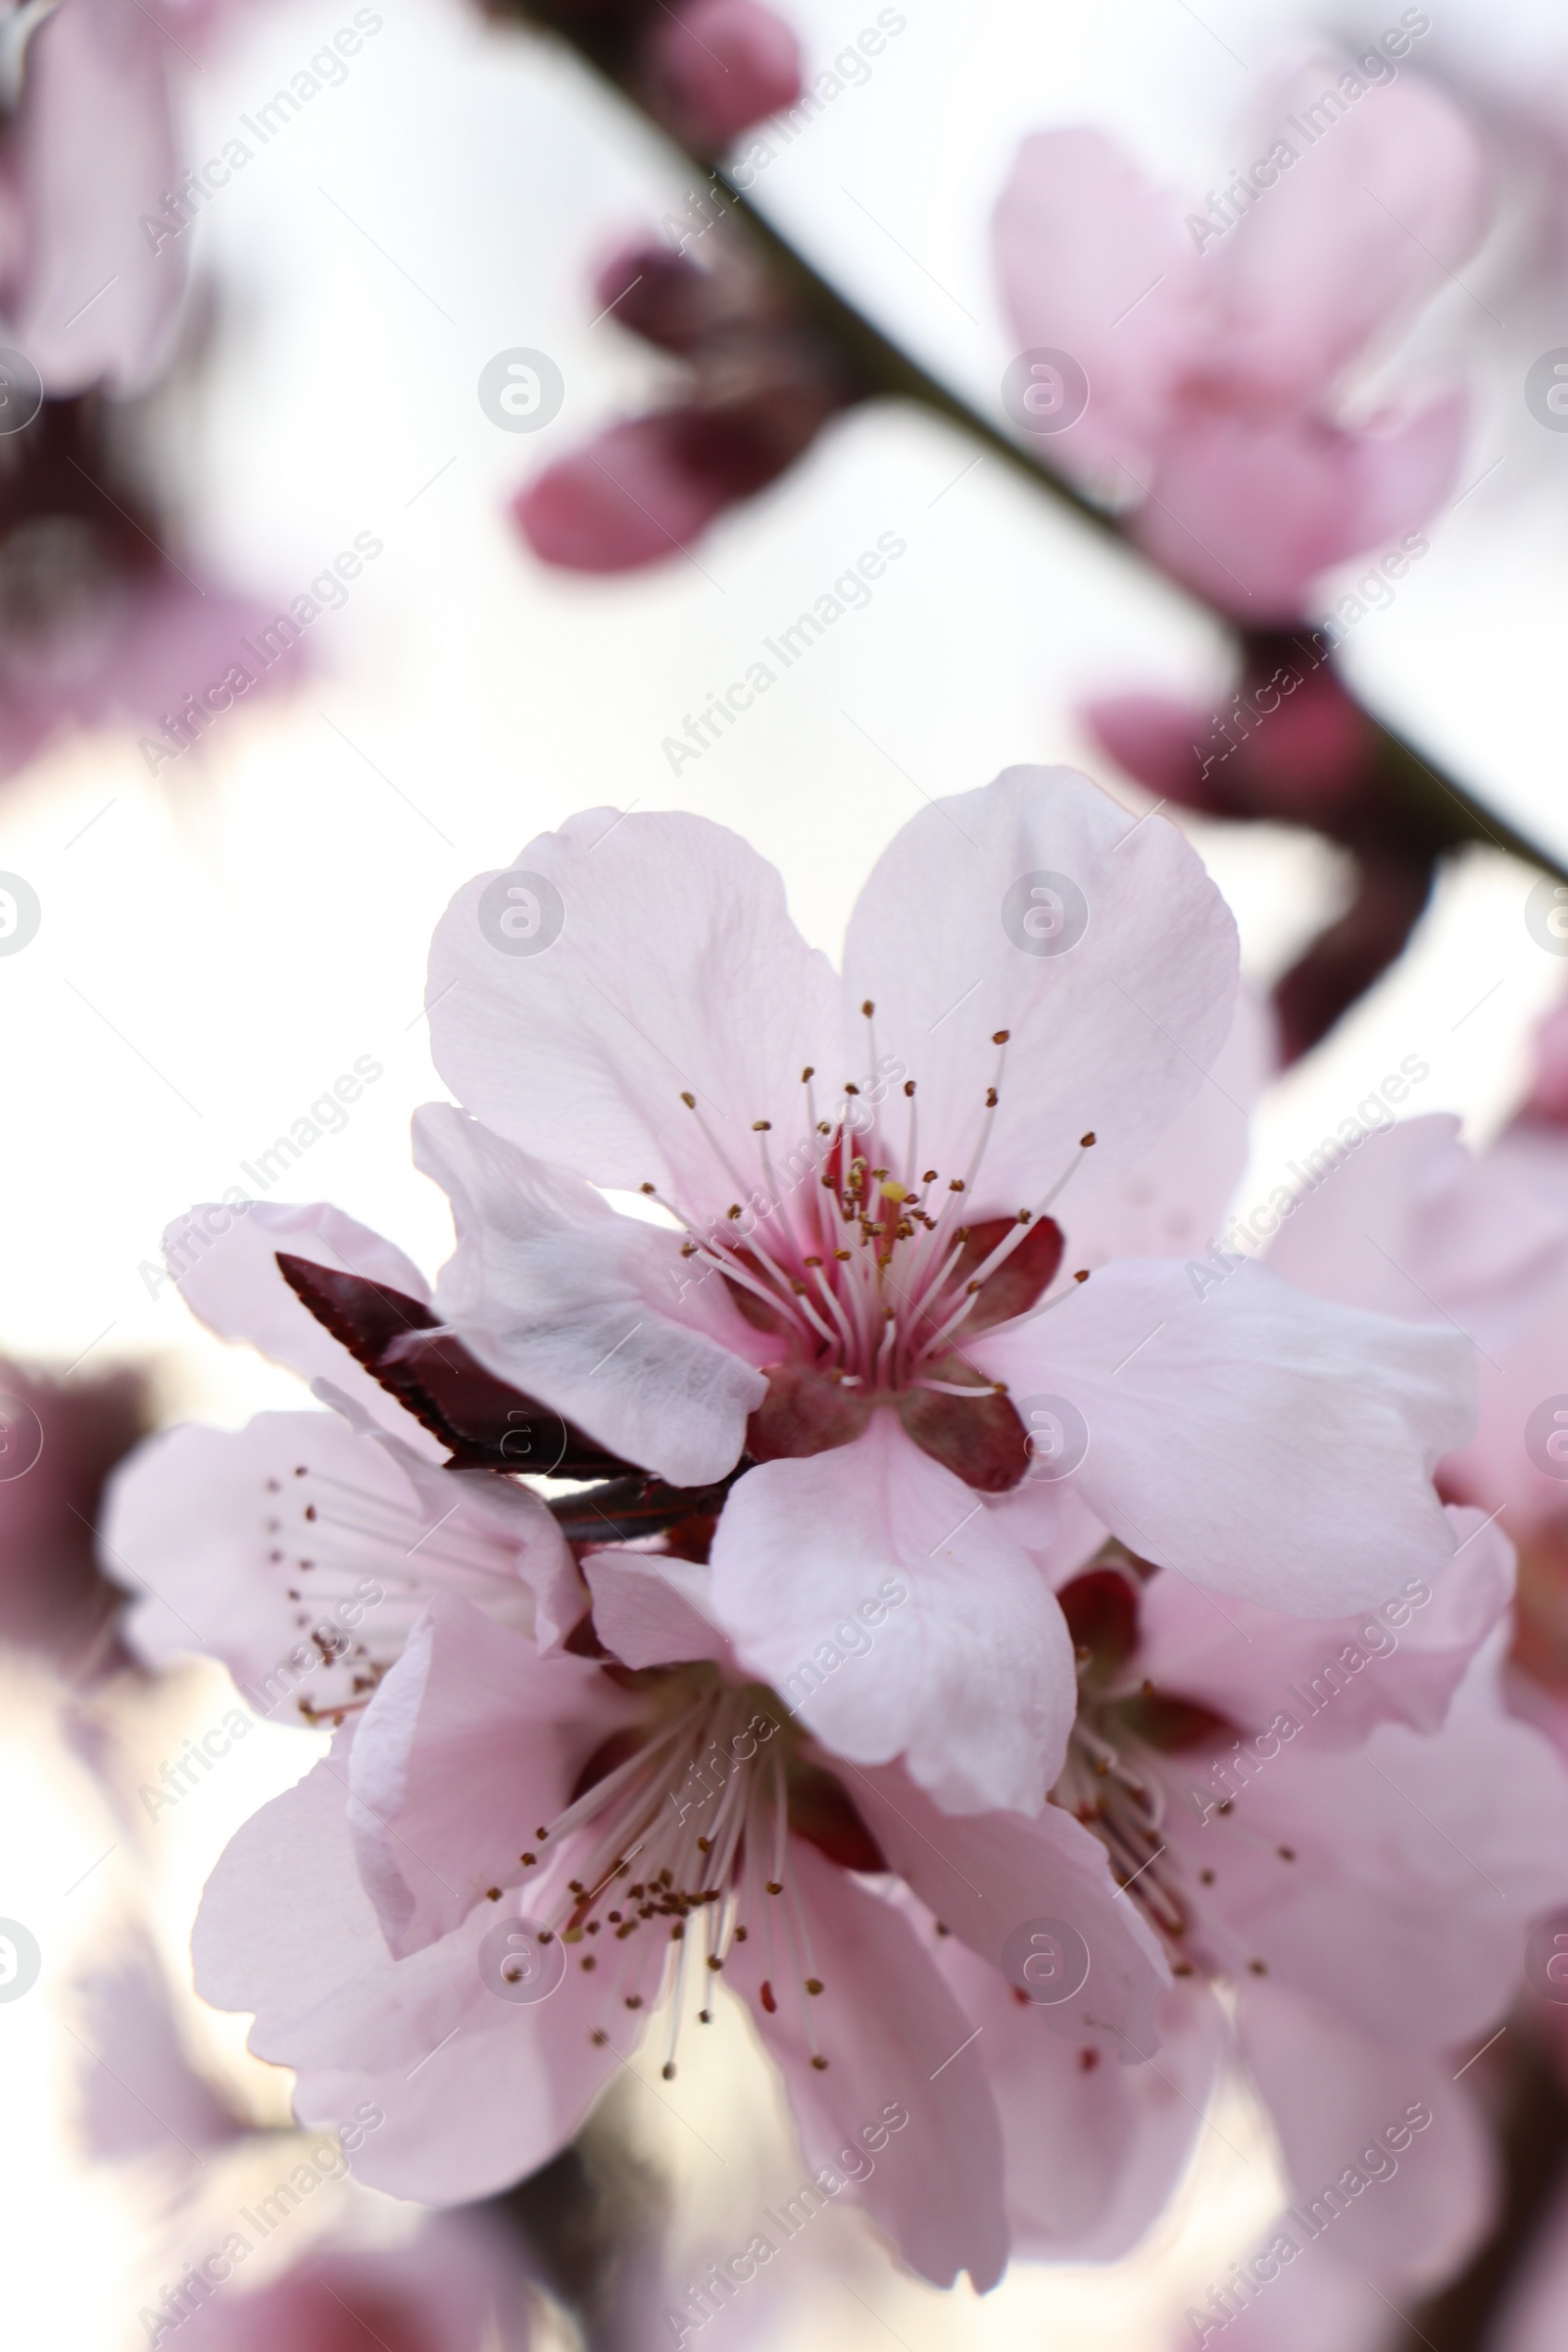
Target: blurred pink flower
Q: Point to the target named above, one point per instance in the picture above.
(712, 68)
(761, 386)
(58, 1441)
(455, 2286)
(659, 1820)
(99, 628)
(1217, 348)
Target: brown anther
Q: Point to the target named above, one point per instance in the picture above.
(667, 2070)
(733, 1211)
(598, 2037)
(820, 2065)
(647, 1188)
(690, 1100)
(713, 1960)
(541, 1834)
(999, 1037)
(942, 1927)
(1207, 1878)
(1082, 1274)
(776, 1886)
(1286, 1853)
(809, 1073)
(704, 1845)
(634, 2000)
(1229, 1807)
(493, 1895)
(545, 1935)
(908, 1086)
(590, 1961)
(929, 1177)
(1259, 1968)
(740, 1935)
(814, 1261)
(761, 1126)
(955, 1183)
(1088, 2059)
(1084, 1141)
(813, 1983)
(849, 1088)
(991, 1097)
(705, 2017)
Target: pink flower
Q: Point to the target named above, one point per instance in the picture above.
(871, 1168)
(715, 66)
(300, 1550)
(1343, 1825)
(1218, 347)
(454, 2287)
(638, 1822)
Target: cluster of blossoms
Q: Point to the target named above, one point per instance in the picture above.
(858, 1575)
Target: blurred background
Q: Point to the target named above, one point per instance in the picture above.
(220, 940)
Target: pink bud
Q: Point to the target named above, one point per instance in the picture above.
(717, 66)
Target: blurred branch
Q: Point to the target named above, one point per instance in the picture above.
(1443, 815)
(1532, 2150)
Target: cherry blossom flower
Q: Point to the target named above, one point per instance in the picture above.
(618, 1828)
(1305, 1814)
(1218, 347)
(300, 1550)
(871, 1169)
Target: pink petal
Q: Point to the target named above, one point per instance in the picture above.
(208, 1525)
(719, 65)
(1420, 1864)
(1374, 215)
(901, 2116)
(1175, 1198)
(999, 1872)
(641, 492)
(468, 1745)
(1095, 262)
(554, 1292)
(1253, 1438)
(677, 971)
(1112, 1036)
(1094, 2151)
(472, 2090)
(224, 1255)
(1334, 2094)
(1251, 513)
(96, 300)
(872, 1589)
(651, 1611)
(1398, 1664)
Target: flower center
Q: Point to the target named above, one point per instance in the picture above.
(872, 1274)
(678, 1834)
